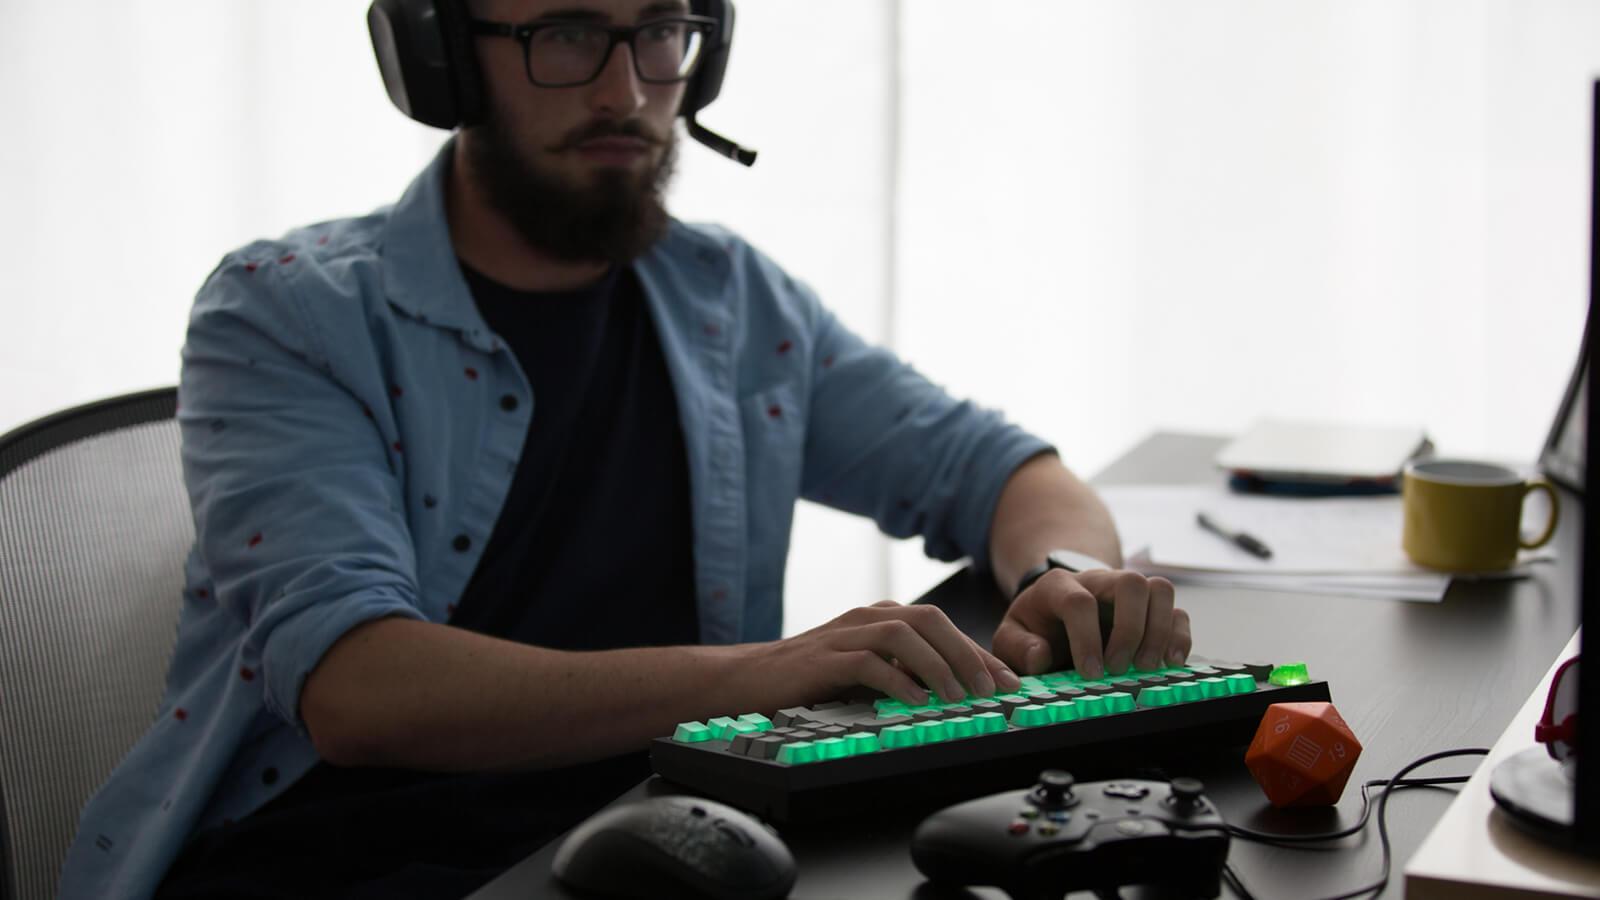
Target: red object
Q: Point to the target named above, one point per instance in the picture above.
(1302, 754)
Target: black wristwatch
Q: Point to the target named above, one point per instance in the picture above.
(1071, 560)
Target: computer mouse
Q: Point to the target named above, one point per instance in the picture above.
(669, 847)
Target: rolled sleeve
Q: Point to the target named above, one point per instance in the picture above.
(296, 494)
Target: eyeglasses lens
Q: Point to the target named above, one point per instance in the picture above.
(561, 55)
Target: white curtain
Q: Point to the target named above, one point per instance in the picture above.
(1103, 217)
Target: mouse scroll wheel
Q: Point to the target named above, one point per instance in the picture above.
(734, 833)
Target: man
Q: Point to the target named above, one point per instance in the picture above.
(494, 486)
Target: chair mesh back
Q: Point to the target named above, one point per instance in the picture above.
(93, 534)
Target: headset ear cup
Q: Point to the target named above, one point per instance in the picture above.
(413, 60)
(466, 77)
(426, 56)
(707, 81)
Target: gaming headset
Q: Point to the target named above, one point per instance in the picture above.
(425, 53)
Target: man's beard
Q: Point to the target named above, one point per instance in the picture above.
(614, 218)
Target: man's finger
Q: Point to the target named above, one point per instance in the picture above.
(1013, 644)
(1182, 640)
(1004, 679)
(1157, 626)
(1129, 621)
(1079, 611)
(896, 638)
(958, 650)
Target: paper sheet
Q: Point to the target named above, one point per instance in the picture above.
(1337, 545)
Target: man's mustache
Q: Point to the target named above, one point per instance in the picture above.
(603, 128)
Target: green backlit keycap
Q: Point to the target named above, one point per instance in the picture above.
(961, 727)
(990, 722)
(931, 732)
(1030, 715)
(1156, 695)
(691, 733)
(1091, 706)
(1240, 683)
(737, 728)
(720, 728)
(1119, 702)
(798, 752)
(1213, 687)
(1289, 674)
(832, 748)
(1062, 711)
(899, 736)
(861, 742)
(762, 723)
(1187, 692)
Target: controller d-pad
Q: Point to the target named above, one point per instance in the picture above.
(1126, 790)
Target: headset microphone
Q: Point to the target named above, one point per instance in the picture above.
(721, 145)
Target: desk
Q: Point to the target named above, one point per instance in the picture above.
(1410, 678)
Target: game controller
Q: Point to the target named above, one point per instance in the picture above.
(1059, 836)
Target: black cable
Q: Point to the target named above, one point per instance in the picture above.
(1389, 786)
(1284, 840)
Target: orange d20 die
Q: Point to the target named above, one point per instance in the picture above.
(1302, 754)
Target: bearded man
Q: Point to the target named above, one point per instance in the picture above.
(495, 485)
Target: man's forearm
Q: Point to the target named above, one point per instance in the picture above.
(1044, 507)
(403, 693)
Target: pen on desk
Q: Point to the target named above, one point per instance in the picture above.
(1246, 542)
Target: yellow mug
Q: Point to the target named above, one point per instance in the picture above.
(1463, 516)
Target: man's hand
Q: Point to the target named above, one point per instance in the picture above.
(887, 646)
(1058, 618)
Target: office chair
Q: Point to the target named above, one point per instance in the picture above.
(94, 529)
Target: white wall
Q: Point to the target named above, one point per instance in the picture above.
(1187, 215)
(1104, 217)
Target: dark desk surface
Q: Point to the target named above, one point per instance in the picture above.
(1410, 678)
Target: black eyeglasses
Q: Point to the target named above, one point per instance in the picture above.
(562, 53)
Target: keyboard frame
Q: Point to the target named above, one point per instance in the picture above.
(963, 768)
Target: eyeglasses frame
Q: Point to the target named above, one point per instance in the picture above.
(618, 34)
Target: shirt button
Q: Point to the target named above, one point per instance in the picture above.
(462, 543)
(508, 402)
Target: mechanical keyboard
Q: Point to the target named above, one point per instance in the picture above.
(845, 756)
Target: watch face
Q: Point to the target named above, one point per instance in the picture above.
(1073, 561)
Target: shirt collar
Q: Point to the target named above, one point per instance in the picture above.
(421, 276)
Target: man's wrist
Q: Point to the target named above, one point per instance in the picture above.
(1067, 560)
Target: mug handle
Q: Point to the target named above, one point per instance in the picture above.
(1539, 484)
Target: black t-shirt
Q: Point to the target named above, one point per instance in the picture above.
(592, 550)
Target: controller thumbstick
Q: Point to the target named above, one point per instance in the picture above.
(1186, 792)
(1055, 788)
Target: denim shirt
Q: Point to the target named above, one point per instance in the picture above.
(350, 429)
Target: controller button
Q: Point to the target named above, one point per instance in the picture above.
(1048, 830)
(1130, 829)
(1017, 828)
(1126, 790)
(1058, 816)
(1027, 814)
(1092, 813)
